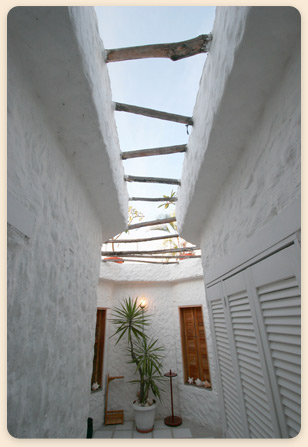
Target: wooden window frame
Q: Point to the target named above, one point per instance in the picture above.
(183, 344)
(98, 357)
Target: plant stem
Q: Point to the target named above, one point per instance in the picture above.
(133, 355)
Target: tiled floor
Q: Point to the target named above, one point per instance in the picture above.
(187, 429)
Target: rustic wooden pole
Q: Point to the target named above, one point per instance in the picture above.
(154, 151)
(168, 181)
(120, 107)
(152, 222)
(149, 252)
(182, 257)
(174, 51)
(130, 241)
(153, 199)
(146, 262)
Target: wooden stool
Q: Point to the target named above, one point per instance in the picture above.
(113, 416)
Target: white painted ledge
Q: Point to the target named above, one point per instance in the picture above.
(249, 51)
(62, 53)
(279, 229)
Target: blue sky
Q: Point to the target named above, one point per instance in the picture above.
(154, 83)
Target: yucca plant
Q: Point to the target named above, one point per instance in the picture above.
(131, 321)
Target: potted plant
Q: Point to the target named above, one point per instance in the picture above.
(131, 320)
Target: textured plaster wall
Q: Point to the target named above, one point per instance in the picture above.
(164, 297)
(51, 289)
(53, 275)
(159, 298)
(240, 75)
(227, 33)
(267, 177)
(60, 50)
(92, 52)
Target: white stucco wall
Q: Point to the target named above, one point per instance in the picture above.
(267, 177)
(51, 291)
(166, 288)
(248, 56)
(240, 191)
(53, 274)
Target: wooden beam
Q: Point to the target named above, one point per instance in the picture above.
(126, 241)
(174, 51)
(152, 222)
(153, 199)
(168, 181)
(148, 252)
(159, 257)
(154, 151)
(146, 262)
(120, 107)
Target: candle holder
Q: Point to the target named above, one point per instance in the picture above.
(172, 420)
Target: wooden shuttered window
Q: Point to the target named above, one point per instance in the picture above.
(195, 358)
(99, 347)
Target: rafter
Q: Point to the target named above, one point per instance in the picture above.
(151, 113)
(154, 151)
(174, 51)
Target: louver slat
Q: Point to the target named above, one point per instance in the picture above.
(286, 339)
(280, 289)
(286, 347)
(250, 372)
(253, 414)
(279, 298)
(296, 369)
(293, 301)
(257, 384)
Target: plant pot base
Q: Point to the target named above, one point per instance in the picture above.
(144, 417)
(145, 431)
(173, 421)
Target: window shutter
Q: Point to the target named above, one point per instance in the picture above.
(194, 346)
(99, 347)
(190, 342)
(204, 370)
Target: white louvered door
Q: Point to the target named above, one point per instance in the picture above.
(277, 286)
(256, 326)
(230, 397)
(259, 405)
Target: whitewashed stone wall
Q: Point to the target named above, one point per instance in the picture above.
(164, 297)
(53, 275)
(242, 169)
(227, 33)
(267, 177)
(51, 290)
(248, 102)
